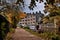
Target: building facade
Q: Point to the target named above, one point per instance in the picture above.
(31, 19)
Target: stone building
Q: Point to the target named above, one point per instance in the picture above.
(31, 19)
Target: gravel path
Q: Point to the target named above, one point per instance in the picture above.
(21, 34)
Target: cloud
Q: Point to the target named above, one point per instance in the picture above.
(40, 7)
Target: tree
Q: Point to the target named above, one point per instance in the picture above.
(49, 6)
(54, 9)
(13, 8)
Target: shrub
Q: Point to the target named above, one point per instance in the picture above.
(26, 28)
(56, 38)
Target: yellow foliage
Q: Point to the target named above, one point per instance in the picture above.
(9, 17)
(21, 15)
(45, 20)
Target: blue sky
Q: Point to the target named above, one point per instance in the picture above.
(40, 7)
(11, 1)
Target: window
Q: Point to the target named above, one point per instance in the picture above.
(25, 20)
(25, 23)
(28, 16)
(33, 18)
(28, 20)
(20, 23)
(33, 22)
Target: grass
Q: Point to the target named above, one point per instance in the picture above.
(34, 33)
(45, 35)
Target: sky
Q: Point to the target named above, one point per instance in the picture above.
(11, 1)
(40, 7)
